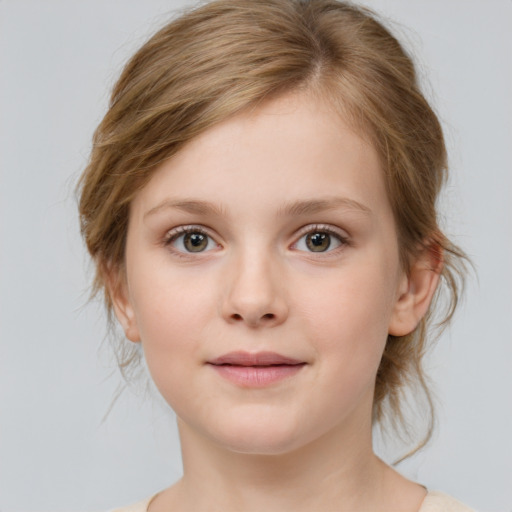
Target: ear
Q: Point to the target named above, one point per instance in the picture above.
(416, 290)
(119, 295)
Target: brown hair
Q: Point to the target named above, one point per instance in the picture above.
(230, 55)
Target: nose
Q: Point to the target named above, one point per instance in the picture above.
(254, 293)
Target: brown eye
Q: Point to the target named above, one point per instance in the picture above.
(191, 240)
(318, 242)
(319, 239)
(195, 242)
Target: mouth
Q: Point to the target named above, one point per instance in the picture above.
(255, 370)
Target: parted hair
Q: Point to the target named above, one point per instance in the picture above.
(227, 56)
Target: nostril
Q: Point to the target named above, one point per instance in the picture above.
(267, 316)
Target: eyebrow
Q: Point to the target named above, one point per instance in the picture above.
(187, 205)
(298, 208)
(295, 208)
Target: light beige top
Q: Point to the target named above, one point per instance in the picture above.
(434, 502)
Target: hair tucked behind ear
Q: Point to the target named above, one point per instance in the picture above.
(230, 55)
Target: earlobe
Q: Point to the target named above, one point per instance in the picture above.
(416, 291)
(121, 303)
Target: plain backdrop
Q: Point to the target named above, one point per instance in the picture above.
(58, 61)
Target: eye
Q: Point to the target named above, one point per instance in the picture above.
(320, 239)
(190, 240)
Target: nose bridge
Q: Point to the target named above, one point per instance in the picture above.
(255, 294)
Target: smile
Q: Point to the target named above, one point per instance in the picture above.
(255, 370)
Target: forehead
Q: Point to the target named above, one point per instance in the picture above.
(291, 147)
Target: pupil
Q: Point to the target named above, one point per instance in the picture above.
(195, 242)
(318, 242)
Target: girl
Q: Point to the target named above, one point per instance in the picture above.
(260, 207)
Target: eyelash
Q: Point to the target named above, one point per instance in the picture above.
(180, 231)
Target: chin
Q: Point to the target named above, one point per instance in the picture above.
(260, 437)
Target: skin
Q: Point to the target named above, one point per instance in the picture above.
(257, 185)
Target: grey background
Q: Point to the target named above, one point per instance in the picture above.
(58, 59)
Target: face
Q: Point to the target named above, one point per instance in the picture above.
(262, 278)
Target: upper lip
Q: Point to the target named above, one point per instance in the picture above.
(254, 359)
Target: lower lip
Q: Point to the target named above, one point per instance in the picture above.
(257, 376)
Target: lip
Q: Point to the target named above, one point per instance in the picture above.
(254, 359)
(255, 370)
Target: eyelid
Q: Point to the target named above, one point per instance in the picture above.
(180, 230)
(328, 228)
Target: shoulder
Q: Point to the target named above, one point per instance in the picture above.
(140, 506)
(439, 502)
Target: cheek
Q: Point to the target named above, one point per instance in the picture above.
(347, 317)
(172, 313)
(167, 301)
(356, 300)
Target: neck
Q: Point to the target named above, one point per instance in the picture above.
(332, 469)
